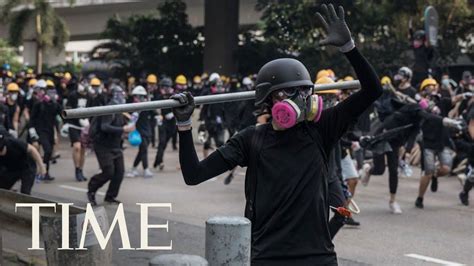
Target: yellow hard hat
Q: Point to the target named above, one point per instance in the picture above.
(329, 92)
(32, 82)
(331, 73)
(324, 80)
(224, 78)
(181, 80)
(322, 73)
(13, 87)
(348, 78)
(95, 82)
(427, 82)
(49, 83)
(204, 75)
(197, 79)
(9, 74)
(385, 80)
(151, 79)
(67, 75)
(29, 71)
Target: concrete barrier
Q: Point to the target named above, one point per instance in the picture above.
(178, 260)
(228, 241)
(19, 222)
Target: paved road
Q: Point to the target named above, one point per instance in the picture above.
(444, 230)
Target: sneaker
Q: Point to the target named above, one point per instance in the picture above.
(419, 203)
(112, 201)
(364, 174)
(78, 175)
(434, 184)
(91, 198)
(464, 197)
(352, 222)
(228, 179)
(395, 208)
(38, 178)
(133, 173)
(161, 166)
(47, 177)
(147, 173)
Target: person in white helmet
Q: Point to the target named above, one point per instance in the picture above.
(145, 128)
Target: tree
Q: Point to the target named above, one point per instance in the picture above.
(50, 29)
(380, 29)
(167, 44)
(8, 55)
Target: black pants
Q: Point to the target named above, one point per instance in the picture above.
(336, 199)
(9, 178)
(112, 165)
(392, 161)
(46, 140)
(165, 132)
(217, 134)
(142, 155)
(153, 132)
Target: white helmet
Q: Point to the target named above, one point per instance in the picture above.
(139, 90)
(41, 84)
(247, 81)
(214, 76)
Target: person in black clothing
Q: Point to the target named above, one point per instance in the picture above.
(166, 122)
(19, 161)
(403, 82)
(43, 123)
(78, 99)
(436, 137)
(424, 55)
(106, 133)
(287, 174)
(232, 108)
(13, 108)
(144, 127)
(213, 115)
(466, 145)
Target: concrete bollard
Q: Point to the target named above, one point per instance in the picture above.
(178, 260)
(228, 241)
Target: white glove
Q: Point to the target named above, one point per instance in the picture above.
(13, 132)
(33, 134)
(218, 120)
(467, 95)
(169, 116)
(159, 119)
(84, 122)
(448, 122)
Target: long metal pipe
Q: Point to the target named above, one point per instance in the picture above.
(208, 99)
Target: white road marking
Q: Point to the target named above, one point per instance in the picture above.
(434, 260)
(80, 189)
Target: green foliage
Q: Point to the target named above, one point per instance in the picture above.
(380, 28)
(167, 44)
(54, 32)
(8, 55)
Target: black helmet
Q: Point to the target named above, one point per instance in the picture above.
(166, 82)
(278, 74)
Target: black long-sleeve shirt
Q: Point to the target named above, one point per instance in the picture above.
(110, 132)
(291, 205)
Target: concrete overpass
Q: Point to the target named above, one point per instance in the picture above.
(86, 19)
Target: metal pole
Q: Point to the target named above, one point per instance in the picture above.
(208, 99)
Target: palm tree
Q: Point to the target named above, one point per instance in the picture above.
(50, 29)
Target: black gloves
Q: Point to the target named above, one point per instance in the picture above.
(184, 112)
(338, 33)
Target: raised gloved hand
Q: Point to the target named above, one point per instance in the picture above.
(457, 124)
(338, 34)
(467, 95)
(183, 113)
